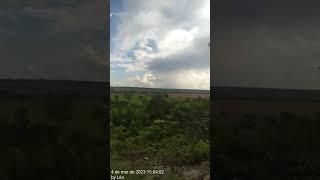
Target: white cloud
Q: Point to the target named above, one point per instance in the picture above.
(116, 83)
(148, 79)
(193, 79)
(180, 31)
(114, 14)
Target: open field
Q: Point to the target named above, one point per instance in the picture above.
(189, 95)
(176, 93)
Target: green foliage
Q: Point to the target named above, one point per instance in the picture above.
(200, 151)
(175, 150)
(170, 131)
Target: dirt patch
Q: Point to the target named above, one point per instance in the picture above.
(197, 172)
(189, 95)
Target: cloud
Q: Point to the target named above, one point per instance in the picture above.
(192, 79)
(116, 83)
(193, 55)
(114, 14)
(163, 38)
(147, 80)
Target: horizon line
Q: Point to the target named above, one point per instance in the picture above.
(158, 88)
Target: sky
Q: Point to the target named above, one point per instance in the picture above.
(53, 39)
(160, 44)
(266, 43)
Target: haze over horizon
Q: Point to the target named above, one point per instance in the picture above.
(159, 88)
(160, 44)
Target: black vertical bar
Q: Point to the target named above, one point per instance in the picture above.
(107, 49)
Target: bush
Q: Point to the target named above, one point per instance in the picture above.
(200, 151)
(175, 150)
(169, 131)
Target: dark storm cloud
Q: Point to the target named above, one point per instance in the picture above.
(266, 44)
(53, 39)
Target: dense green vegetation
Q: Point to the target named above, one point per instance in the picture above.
(257, 146)
(154, 130)
(52, 138)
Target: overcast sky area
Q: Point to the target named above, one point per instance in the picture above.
(160, 44)
(53, 39)
(266, 43)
